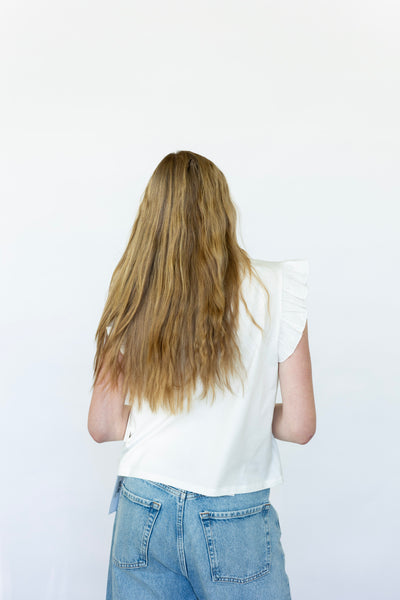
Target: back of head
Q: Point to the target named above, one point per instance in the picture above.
(173, 301)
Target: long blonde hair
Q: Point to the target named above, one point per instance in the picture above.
(173, 299)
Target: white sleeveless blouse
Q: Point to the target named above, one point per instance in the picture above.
(228, 448)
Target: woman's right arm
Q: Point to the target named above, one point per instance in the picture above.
(295, 419)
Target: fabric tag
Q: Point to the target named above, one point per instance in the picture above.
(115, 496)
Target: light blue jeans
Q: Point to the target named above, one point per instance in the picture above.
(169, 543)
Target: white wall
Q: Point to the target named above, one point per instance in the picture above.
(297, 103)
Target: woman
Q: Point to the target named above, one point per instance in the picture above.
(191, 343)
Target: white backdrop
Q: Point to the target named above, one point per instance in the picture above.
(297, 103)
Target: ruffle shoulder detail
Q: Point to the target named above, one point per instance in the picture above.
(295, 275)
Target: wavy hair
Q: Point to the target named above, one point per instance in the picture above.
(172, 312)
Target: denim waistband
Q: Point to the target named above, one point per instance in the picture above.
(181, 492)
(166, 487)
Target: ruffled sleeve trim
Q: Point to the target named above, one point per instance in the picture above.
(295, 274)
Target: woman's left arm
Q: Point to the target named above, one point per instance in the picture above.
(108, 415)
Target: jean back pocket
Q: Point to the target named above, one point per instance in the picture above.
(134, 523)
(238, 543)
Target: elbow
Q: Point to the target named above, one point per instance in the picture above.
(306, 437)
(96, 436)
(95, 429)
(307, 431)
